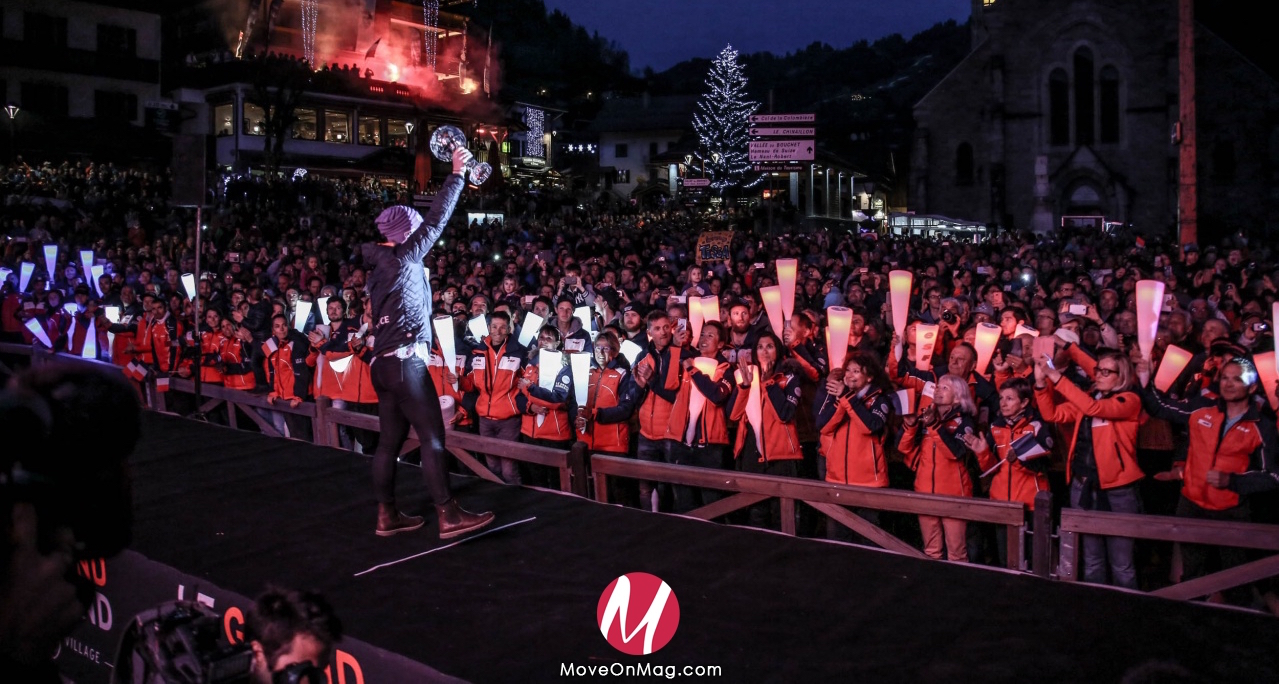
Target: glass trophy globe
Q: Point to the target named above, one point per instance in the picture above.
(445, 140)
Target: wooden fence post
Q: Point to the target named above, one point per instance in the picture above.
(578, 458)
(320, 423)
(1042, 552)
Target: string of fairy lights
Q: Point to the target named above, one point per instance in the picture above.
(430, 37)
(310, 17)
(536, 121)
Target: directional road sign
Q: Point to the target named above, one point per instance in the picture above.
(783, 118)
(767, 168)
(784, 131)
(782, 150)
(697, 182)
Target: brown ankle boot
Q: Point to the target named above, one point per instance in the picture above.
(391, 521)
(456, 521)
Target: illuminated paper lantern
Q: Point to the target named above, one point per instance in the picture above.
(987, 340)
(710, 309)
(695, 319)
(1174, 362)
(772, 297)
(1150, 300)
(583, 314)
(697, 400)
(113, 317)
(479, 327)
(1268, 375)
(25, 271)
(446, 336)
(90, 350)
(899, 284)
(1023, 329)
(188, 284)
(322, 306)
(51, 260)
(549, 364)
(301, 312)
(786, 272)
(839, 322)
(580, 364)
(755, 409)
(925, 342)
(528, 331)
(33, 324)
(86, 263)
(97, 271)
(630, 351)
(4, 274)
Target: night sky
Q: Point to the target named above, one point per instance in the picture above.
(662, 33)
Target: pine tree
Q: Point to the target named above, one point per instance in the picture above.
(721, 122)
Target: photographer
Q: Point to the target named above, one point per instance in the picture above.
(65, 496)
(292, 635)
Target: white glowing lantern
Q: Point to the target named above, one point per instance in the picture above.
(583, 314)
(86, 264)
(695, 319)
(787, 269)
(710, 309)
(445, 335)
(549, 364)
(96, 272)
(839, 322)
(51, 259)
(1174, 362)
(899, 284)
(772, 297)
(301, 312)
(33, 324)
(1150, 300)
(925, 342)
(90, 350)
(1268, 374)
(987, 340)
(479, 327)
(580, 363)
(188, 284)
(532, 324)
(630, 351)
(25, 271)
(755, 409)
(697, 400)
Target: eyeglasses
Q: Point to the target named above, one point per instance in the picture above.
(1106, 372)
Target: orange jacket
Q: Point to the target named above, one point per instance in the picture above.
(662, 391)
(237, 370)
(1245, 449)
(444, 388)
(353, 383)
(712, 425)
(494, 373)
(937, 454)
(1016, 480)
(288, 366)
(1115, 420)
(153, 343)
(779, 399)
(852, 441)
(211, 343)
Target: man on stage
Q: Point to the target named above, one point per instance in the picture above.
(401, 305)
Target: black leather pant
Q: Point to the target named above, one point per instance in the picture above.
(406, 396)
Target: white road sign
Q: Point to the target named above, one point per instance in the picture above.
(783, 118)
(783, 131)
(782, 150)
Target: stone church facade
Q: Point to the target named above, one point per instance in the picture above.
(1069, 108)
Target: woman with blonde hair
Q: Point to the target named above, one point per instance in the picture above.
(934, 447)
(1102, 468)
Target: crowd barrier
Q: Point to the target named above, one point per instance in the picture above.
(587, 475)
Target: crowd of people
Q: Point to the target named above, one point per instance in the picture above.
(686, 365)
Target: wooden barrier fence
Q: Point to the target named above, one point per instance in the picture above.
(578, 471)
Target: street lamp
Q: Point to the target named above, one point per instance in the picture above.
(12, 110)
(812, 172)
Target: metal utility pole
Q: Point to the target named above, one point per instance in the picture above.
(1187, 177)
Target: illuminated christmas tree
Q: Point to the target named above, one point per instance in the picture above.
(722, 122)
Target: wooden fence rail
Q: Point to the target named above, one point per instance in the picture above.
(580, 473)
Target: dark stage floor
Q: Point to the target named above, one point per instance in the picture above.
(239, 509)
